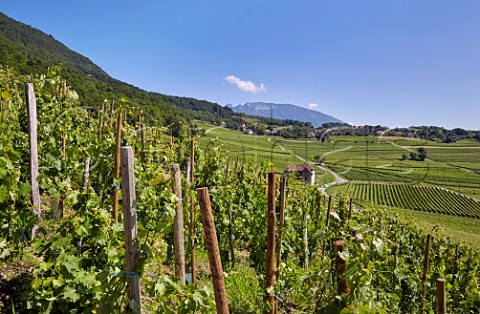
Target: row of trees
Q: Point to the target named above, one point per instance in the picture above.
(434, 133)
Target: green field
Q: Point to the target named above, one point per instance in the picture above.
(453, 166)
(421, 198)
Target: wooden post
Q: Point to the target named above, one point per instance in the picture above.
(283, 184)
(447, 253)
(441, 292)
(343, 287)
(100, 121)
(112, 113)
(255, 175)
(178, 238)
(130, 226)
(192, 211)
(455, 263)
(86, 171)
(63, 140)
(235, 169)
(188, 164)
(117, 165)
(327, 223)
(32, 140)
(350, 209)
(142, 138)
(230, 232)
(425, 272)
(270, 267)
(63, 144)
(318, 203)
(64, 90)
(226, 170)
(305, 237)
(213, 251)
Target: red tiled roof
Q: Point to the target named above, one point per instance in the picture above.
(298, 168)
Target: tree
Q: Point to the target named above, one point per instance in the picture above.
(422, 153)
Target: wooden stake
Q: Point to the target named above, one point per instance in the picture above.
(130, 225)
(213, 251)
(192, 212)
(270, 267)
(230, 232)
(178, 237)
(425, 272)
(32, 140)
(100, 121)
(143, 143)
(283, 184)
(343, 287)
(64, 90)
(117, 165)
(63, 144)
(86, 171)
(350, 209)
(441, 292)
(305, 237)
(327, 223)
(226, 170)
(235, 169)
(112, 113)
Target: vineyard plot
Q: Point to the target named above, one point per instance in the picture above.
(423, 198)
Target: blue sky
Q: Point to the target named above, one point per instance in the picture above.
(389, 62)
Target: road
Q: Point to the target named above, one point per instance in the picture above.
(338, 180)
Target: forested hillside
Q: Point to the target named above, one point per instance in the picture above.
(30, 51)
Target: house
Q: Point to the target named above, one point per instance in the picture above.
(305, 172)
(248, 132)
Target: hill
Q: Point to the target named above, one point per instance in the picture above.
(30, 51)
(285, 112)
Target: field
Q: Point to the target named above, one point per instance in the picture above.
(422, 198)
(371, 159)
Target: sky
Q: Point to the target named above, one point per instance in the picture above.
(396, 63)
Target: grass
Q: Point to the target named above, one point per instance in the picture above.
(460, 229)
(325, 178)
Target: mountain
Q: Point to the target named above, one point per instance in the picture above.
(30, 51)
(285, 112)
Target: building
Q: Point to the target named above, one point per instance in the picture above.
(304, 172)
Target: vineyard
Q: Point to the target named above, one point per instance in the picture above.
(108, 234)
(423, 198)
(363, 158)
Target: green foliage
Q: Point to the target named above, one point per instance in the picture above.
(79, 263)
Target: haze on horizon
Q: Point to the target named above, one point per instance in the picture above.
(394, 63)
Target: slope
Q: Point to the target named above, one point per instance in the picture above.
(30, 51)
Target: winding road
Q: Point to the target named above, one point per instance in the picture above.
(338, 180)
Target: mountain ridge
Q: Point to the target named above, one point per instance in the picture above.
(285, 112)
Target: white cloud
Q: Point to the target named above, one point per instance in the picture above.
(312, 105)
(246, 86)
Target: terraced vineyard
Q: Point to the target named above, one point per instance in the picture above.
(423, 198)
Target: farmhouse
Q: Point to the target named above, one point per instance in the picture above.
(305, 172)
